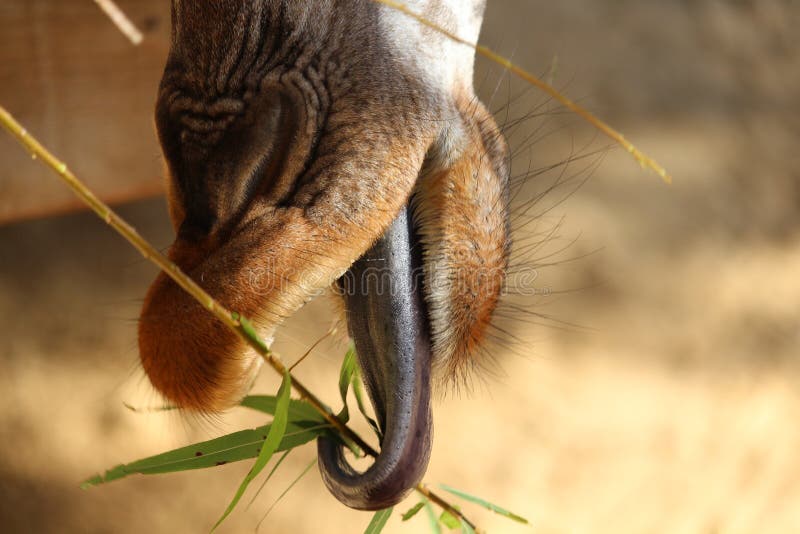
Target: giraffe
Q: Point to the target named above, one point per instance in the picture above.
(331, 146)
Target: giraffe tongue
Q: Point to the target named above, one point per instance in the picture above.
(387, 321)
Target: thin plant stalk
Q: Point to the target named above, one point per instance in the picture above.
(231, 319)
(121, 21)
(643, 159)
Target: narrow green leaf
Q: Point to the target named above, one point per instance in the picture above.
(350, 444)
(241, 445)
(154, 409)
(433, 521)
(345, 379)
(287, 490)
(358, 391)
(413, 511)
(346, 372)
(269, 476)
(249, 330)
(466, 529)
(298, 409)
(486, 504)
(449, 520)
(379, 521)
(271, 443)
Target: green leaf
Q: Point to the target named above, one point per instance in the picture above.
(154, 409)
(489, 506)
(271, 443)
(249, 330)
(449, 520)
(358, 390)
(241, 445)
(378, 521)
(346, 372)
(466, 529)
(349, 374)
(345, 379)
(269, 476)
(283, 494)
(298, 409)
(433, 521)
(413, 511)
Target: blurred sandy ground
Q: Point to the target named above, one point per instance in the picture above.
(672, 406)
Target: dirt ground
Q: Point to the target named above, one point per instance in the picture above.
(655, 391)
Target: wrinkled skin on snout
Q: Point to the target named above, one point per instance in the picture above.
(310, 145)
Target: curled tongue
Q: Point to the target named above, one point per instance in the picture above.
(386, 319)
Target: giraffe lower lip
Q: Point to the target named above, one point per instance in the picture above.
(388, 323)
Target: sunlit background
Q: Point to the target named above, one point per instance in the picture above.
(651, 385)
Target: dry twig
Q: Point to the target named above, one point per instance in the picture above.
(643, 159)
(231, 319)
(121, 20)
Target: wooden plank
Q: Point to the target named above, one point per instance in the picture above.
(77, 83)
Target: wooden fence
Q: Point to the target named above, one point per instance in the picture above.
(75, 81)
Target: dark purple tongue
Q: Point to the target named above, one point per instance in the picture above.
(386, 319)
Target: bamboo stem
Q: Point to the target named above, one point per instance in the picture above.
(433, 497)
(121, 21)
(643, 159)
(231, 319)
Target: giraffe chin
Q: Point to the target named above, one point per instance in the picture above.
(388, 323)
(190, 357)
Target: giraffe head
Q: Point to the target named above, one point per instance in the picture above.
(329, 144)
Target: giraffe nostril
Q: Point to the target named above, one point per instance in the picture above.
(222, 153)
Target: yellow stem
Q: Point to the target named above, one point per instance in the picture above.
(643, 159)
(121, 21)
(230, 319)
(433, 497)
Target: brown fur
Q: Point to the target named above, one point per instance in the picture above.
(293, 136)
(462, 214)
